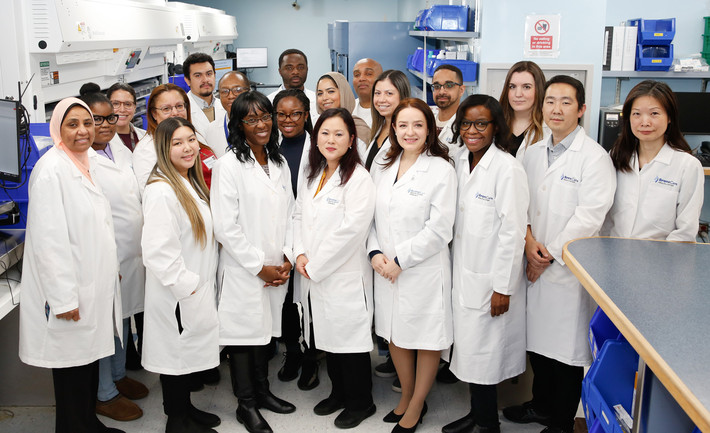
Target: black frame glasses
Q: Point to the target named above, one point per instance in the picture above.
(111, 119)
(294, 116)
(448, 85)
(255, 121)
(480, 125)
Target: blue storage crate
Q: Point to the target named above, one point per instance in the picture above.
(417, 62)
(589, 415)
(654, 32)
(596, 427)
(469, 69)
(610, 381)
(601, 329)
(654, 58)
(443, 17)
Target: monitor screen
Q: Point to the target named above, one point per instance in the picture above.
(222, 67)
(694, 112)
(252, 58)
(9, 141)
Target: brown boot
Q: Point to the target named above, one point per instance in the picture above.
(119, 408)
(131, 388)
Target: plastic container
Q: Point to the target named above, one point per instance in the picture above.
(610, 381)
(589, 415)
(469, 69)
(601, 329)
(654, 57)
(443, 17)
(417, 59)
(655, 32)
(596, 427)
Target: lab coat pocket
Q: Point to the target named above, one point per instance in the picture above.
(476, 291)
(197, 311)
(479, 220)
(563, 197)
(659, 206)
(345, 303)
(421, 291)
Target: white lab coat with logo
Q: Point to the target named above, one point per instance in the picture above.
(330, 229)
(252, 220)
(488, 248)
(661, 201)
(568, 200)
(414, 220)
(121, 189)
(176, 266)
(70, 261)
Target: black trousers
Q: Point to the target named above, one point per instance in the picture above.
(75, 395)
(557, 388)
(176, 394)
(351, 378)
(484, 404)
(290, 320)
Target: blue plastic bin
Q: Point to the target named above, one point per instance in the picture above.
(443, 17)
(654, 32)
(468, 68)
(601, 329)
(610, 381)
(654, 57)
(417, 59)
(589, 414)
(596, 427)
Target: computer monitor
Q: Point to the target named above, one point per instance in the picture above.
(9, 140)
(248, 58)
(694, 112)
(221, 67)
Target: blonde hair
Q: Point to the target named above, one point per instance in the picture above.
(164, 171)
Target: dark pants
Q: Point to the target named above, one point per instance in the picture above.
(351, 378)
(249, 370)
(484, 404)
(290, 321)
(75, 395)
(176, 394)
(556, 389)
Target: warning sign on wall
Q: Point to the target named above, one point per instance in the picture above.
(542, 36)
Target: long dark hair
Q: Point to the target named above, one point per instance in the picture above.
(245, 104)
(432, 145)
(348, 162)
(536, 116)
(502, 135)
(627, 143)
(401, 83)
(302, 98)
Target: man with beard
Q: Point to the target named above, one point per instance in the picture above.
(447, 88)
(293, 68)
(200, 76)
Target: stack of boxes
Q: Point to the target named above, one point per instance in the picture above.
(654, 51)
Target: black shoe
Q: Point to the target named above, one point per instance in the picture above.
(328, 406)
(250, 416)
(396, 385)
(444, 375)
(185, 424)
(292, 363)
(393, 417)
(399, 429)
(350, 418)
(386, 369)
(461, 425)
(203, 418)
(267, 400)
(210, 377)
(480, 429)
(555, 430)
(309, 375)
(524, 414)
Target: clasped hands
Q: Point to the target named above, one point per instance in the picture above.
(275, 276)
(387, 268)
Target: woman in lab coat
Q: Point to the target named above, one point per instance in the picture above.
(333, 215)
(252, 204)
(123, 100)
(408, 249)
(489, 242)
(118, 183)
(660, 184)
(390, 87)
(334, 91)
(521, 99)
(70, 288)
(180, 255)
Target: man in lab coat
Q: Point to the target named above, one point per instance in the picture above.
(365, 72)
(200, 76)
(231, 85)
(572, 184)
(293, 68)
(447, 88)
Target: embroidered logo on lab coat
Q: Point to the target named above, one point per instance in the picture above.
(665, 182)
(332, 201)
(569, 179)
(414, 192)
(482, 197)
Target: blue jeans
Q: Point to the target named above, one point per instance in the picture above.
(113, 368)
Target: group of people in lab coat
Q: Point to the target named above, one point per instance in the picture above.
(439, 243)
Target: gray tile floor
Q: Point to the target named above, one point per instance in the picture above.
(446, 403)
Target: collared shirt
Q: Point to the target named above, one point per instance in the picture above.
(555, 151)
(199, 102)
(106, 152)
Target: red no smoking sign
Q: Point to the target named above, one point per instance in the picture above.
(542, 27)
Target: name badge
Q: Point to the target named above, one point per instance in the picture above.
(209, 161)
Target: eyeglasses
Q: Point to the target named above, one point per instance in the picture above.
(480, 125)
(117, 104)
(168, 109)
(111, 119)
(236, 91)
(253, 121)
(448, 85)
(281, 116)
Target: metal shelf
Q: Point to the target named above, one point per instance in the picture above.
(446, 35)
(428, 78)
(656, 74)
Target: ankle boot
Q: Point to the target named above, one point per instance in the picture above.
(249, 415)
(264, 397)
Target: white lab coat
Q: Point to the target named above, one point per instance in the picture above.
(446, 134)
(120, 187)
(568, 200)
(414, 220)
(216, 137)
(661, 201)
(488, 248)
(144, 159)
(70, 261)
(177, 265)
(140, 133)
(379, 156)
(330, 229)
(199, 118)
(252, 221)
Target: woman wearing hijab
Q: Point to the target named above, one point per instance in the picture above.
(333, 91)
(70, 274)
